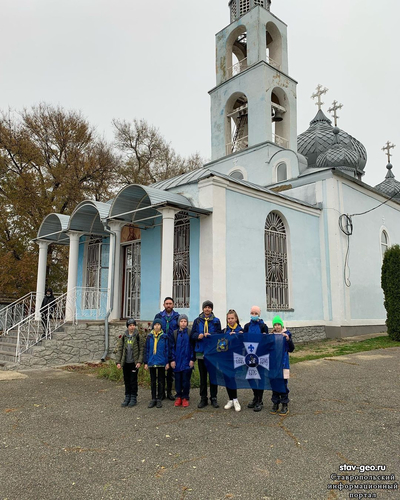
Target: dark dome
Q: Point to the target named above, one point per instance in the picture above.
(390, 187)
(320, 137)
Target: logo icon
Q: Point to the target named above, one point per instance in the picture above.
(251, 360)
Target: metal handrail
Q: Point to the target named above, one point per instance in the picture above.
(280, 141)
(238, 145)
(237, 68)
(30, 330)
(17, 310)
(272, 62)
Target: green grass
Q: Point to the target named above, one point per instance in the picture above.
(327, 349)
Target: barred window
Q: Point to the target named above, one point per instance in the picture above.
(276, 267)
(94, 265)
(181, 279)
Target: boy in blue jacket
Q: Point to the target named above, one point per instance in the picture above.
(156, 357)
(282, 397)
(182, 360)
(256, 325)
(204, 326)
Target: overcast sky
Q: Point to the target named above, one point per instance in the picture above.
(156, 60)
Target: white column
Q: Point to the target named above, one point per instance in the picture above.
(41, 276)
(167, 253)
(72, 274)
(116, 227)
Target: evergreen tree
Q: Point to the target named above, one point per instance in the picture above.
(391, 289)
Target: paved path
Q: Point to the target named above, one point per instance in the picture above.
(65, 436)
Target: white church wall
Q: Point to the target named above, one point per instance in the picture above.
(365, 261)
(245, 255)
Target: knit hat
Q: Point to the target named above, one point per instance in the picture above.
(208, 303)
(130, 321)
(277, 321)
(157, 321)
(183, 316)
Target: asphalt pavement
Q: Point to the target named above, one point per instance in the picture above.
(65, 436)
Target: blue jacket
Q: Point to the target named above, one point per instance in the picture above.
(255, 327)
(289, 347)
(168, 323)
(182, 351)
(214, 326)
(161, 356)
(228, 329)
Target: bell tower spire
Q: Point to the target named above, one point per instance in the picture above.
(254, 101)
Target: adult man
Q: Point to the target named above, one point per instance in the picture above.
(169, 323)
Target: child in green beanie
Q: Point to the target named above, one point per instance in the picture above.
(282, 397)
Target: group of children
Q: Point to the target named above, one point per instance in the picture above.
(171, 349)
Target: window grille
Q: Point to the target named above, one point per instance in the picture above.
(93, 273)
(132, 280)
(259, 2)
(181, 278)
(384, 242)
(244, 7)
(276, 267)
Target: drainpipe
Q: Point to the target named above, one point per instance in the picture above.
(112, 271)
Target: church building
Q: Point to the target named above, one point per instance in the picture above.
(276, 218)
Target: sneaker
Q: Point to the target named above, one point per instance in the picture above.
(284, 410)
(178, 402)
(159, 403)
(203, 403)
(152, 403)
(229, 405)
(252, 404)
(236, 404)
(274, 409)
(258, 406)
(214, 403)
(185, 403)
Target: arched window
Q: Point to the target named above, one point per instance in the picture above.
(181, 278)
(281, 172)
(384, 242)
(276, 265)
(237, 174)
(237, 123)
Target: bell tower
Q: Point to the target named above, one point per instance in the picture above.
(254, 101)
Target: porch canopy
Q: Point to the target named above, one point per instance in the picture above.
(88, 218)
(139, 204)
(53, 229)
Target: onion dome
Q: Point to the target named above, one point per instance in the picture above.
(346, 152)
(390, 187)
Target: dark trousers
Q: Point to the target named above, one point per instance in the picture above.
(203, 382)
(281, 397)
(258, 395)
(232, 393)
(130, 378)
(157, 379)
(170, 379)
(182, 383)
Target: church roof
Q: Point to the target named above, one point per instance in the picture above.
(390, 187)
(336, 146)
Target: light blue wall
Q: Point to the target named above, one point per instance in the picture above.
(365, 261)
(246, 259)
(150, 272)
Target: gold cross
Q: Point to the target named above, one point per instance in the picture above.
(387, 148)
(319, 92)
(333, 109)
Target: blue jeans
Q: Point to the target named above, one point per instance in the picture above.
(182, 383)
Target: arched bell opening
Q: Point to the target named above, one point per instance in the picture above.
(280, 116)
(237, 123)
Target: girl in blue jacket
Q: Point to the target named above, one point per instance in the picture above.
(156, 358)
(282, 397)
(232, 328)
